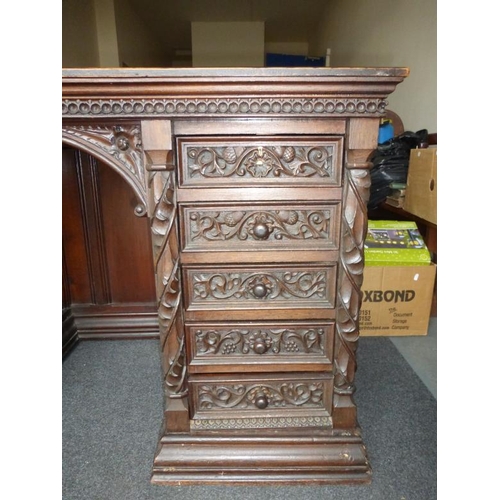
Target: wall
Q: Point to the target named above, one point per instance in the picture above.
(79, 34)
(388, 33)
(106, 33)
(289, 48)
(136, 46)
(228, 44)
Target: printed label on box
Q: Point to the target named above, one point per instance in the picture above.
(396, 300)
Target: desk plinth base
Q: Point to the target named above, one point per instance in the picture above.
(320, 457)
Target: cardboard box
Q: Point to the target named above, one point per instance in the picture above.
(421, 185)
(397, 300)
(395, 243)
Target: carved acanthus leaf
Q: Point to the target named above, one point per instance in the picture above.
(356, 192)
(167, 272)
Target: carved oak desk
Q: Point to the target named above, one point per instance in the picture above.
(255, 183)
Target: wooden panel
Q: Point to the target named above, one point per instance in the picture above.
(156, 135)
(363, 133)
(129, 256)
(290, 194)
(73, 229)
(309, 312)
(90, 203)
(278, 257)
(116, 321)
(262, 457)
(106, 251)
(269, 126)
(248, 160)
(242, 396)
(259, 228)
(66, 293)
(250, 347)
(69, 331)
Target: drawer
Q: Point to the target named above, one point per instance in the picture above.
(250, 160)
(261, 227)
(260, 292)
(264, 347)
(244, 396)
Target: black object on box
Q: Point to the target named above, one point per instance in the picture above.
(390, 164)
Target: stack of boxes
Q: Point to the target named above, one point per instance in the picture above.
(398, 280)
(399, 277)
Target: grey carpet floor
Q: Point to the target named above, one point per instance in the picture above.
(112, 409)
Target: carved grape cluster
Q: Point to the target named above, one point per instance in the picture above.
(229, 348)
(291, 346)
(233, 218)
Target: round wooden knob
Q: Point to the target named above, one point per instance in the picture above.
(261, 401)
(261, 231)
(260, 291)
(260, 347)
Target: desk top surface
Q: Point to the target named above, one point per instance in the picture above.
(228, 73)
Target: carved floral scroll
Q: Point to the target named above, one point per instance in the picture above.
(249, 396)
(259, 225)
(243, 286)
(260, 161)
(261, 341)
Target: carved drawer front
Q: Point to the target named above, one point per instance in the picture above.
(250, 160)
(261, 292)
(260, 227)
(266, 396)
(265, 347)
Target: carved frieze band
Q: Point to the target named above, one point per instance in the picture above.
(260, 161)
(216, 106)
(261, 225)
(121, 145)
(244, 286)
(260, 423)
(261, 341)
(356, 193)
(263, 395)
